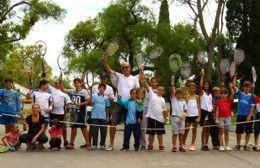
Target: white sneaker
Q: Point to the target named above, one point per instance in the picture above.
(110, 148)
(222, 148)
(228, 148)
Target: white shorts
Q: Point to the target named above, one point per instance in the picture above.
(177, 125)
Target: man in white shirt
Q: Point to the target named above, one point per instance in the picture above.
(124, 83)
(61, 107)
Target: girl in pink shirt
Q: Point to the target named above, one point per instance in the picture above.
(11, 139)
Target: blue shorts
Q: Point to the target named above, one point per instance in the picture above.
(7, 120)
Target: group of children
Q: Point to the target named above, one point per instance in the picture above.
(211, 108)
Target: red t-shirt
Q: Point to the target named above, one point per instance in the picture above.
(224, 108)
(55, 132)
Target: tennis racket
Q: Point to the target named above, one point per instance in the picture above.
(62, 63)
(254, 75)
(41, 49)
(112, 48)
(175, 62)
(140, 60)
(203, 57)
(88, 79)
(239, 56)
(185, 70)
(224, 66)
(156, 53)
(232, 69)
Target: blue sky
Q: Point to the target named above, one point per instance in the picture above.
(53, 33)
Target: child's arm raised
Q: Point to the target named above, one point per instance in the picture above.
(235, 89)
(202, 75)
(143, 81)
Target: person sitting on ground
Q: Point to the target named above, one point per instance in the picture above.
(11, 139)
(35, 138)
(55, 134)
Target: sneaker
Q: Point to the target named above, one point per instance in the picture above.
(11, 149)
(182, 149)
(236, 147)
(192, 147)
(205, 148)
(65, 143)
(143, 148)
(124, 149)
(246, 148)
(136, 149)
(174, 149)
(228, 148)
(222, 148)
(161, 148)
(150, 148)
(94, 147)
(110, 148)
(70, 146)
(84, 146)
(102, 148)
(40, 146)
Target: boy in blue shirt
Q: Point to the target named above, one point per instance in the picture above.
(245, 113)
(99, 116)
(9, 105)
(132, 120)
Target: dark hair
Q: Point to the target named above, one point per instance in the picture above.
(154, 78)
(132, 90)
(102, 85)
(210, 86)
(77, 80)
(8, 80)
(42, 83)
(56, 122)
(247, 84)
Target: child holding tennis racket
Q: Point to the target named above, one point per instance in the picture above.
(223, 117)
(193, 114)
(156, 113)
(206, 110)
(246, 106)
(179, 111)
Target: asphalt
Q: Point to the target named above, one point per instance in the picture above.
(79, 158)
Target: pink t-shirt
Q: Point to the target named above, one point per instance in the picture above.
(224, 108)
(55, 132)
(12, 138)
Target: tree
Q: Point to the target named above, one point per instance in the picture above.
(18, 17)
(243, 22)
(198, 7)
(15, 63)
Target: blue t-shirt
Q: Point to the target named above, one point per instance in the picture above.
(245, 102)
(100, 103)
(132, 109)
(9, 102)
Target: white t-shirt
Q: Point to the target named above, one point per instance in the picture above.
(44, 99)
(146, 100)
(206, 102)
(125, 84)
(108, 92)
(60, 100)
(178, 106)
(192, 108)
(156, 107)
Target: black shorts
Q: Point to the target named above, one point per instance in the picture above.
(118, 114)
(78, 120)
(257, 123)
(89, 117)
(244, 128)
(152, 125)
(206, 114)
(191, 119)
(60, 117)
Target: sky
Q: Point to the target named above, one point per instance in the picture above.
(53, 33)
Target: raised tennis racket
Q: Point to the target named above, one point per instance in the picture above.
(140, 60)
(112, 48)
(239, 56)
(41, 49)
(232, 69)
(254, 75)
(185, 70)
(175, 62)
(156, 53)
(62, 63)
(203, 57)
(224, 66)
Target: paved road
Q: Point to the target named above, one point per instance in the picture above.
(79, 158)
